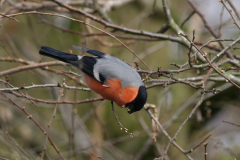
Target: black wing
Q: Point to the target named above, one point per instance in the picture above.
(87, 66)
(87, 63)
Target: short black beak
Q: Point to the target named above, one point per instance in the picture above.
(130, 112)
(129, 108)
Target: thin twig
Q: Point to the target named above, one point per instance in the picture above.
(205, 56)
(97, 157)
(190, 49)
(205, 146)
(12, 18)
(220, 26)
(234, 8)
(167, 135)
(30, 66)
(191, 150)
(190, 15)
(185, 121)
(230, 12)
(125, 129)
(58, 15)
(26, 96)
(49, 124)
(37, 124)
(209, 28)
(62, 102)
(20, 148)
(232, 123)
(44, 86)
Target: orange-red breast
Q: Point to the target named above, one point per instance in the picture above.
(106, 75)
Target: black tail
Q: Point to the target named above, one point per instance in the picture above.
(53, 53)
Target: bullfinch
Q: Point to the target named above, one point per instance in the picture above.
(106, 75)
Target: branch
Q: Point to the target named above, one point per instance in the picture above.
(30, 66)
(208, 26)
(51, 14)
(167, 135)
(44, 86)
(37, 124)
(188, 117)
(210, 64)
(230, 12)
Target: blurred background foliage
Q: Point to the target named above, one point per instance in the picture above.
(96, 131)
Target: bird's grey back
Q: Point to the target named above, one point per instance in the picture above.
(111, 67)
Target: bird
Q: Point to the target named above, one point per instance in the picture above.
(112, 78)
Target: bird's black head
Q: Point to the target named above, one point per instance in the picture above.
(138, 103)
